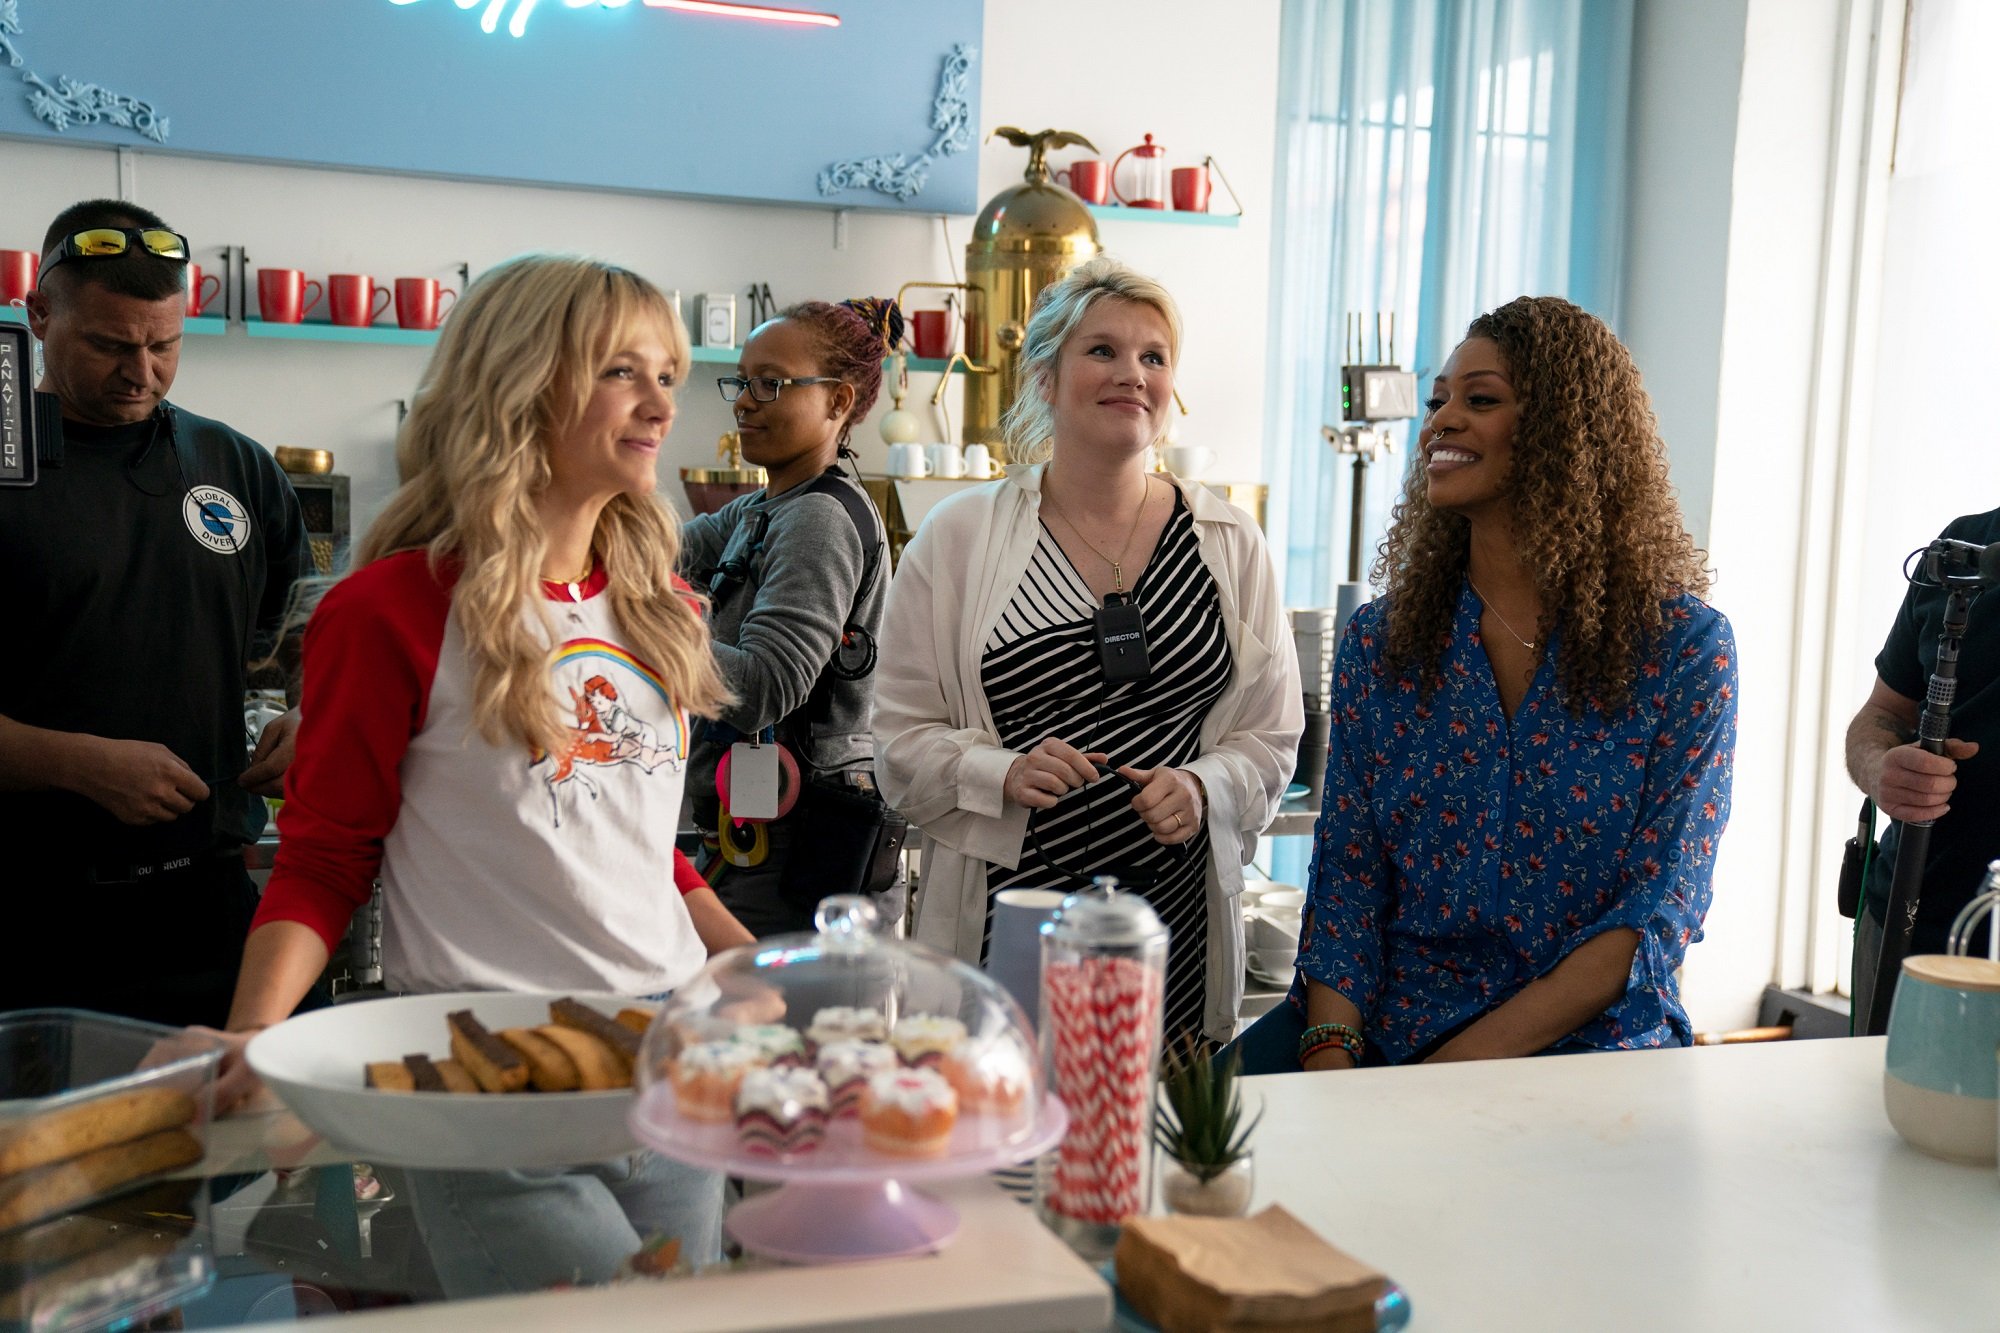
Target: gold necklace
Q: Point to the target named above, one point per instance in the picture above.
(1118, 565)
(589, 568)
(1497, 612)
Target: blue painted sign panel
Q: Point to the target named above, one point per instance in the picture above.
(880, 111)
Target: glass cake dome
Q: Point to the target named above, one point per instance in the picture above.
(842, 1058)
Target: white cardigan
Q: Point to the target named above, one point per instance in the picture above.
(940, 761)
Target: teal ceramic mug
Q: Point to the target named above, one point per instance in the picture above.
(1942, 1082)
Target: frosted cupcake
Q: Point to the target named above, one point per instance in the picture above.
(846, 1066)
(705, 1078)
(776, 1043)
(923, 1040)
(990, 1077)
(781, 1111)
(908, 1113)
(839, 1023)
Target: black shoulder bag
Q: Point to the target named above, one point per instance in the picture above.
(844, 837)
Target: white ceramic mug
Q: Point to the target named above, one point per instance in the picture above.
(978, 462)
(907, 460)
(1187, 460)
(946, 460)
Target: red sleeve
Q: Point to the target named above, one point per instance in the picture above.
(686, 878)
(371, 652)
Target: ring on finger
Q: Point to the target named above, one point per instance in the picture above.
(1178, 823)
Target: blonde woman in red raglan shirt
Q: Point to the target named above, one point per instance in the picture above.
(495, 722)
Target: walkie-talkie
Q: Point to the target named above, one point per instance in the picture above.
(1121, 639)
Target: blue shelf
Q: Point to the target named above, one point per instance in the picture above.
(728, 356)
(209, 326)
(341, 333)
(1120, 213)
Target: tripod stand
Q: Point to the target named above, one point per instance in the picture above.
(1881, 943)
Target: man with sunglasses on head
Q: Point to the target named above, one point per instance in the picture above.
(146, 568)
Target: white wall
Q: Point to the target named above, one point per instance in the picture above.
(1202, 79)
(342, 397)
(1687, 70)
(1744, 256)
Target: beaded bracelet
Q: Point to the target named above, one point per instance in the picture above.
(1325, 1036)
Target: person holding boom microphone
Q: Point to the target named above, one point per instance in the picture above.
(1959, 789)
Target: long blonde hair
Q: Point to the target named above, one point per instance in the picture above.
(1029, 425)
(514, 370)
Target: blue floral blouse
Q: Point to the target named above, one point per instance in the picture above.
(1458, 856)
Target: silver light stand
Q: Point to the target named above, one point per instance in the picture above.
(1372, 394)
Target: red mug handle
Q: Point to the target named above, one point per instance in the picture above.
(387, 296)
(200, 301)
(1114, 174)
(312, 292)
(443, 293)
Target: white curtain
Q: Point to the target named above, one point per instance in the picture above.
(1930, 462)
(1436, 158)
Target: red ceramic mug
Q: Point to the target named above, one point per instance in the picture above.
(1191, 189)
(198, 298)
(930, 334)
(17, 274)
(281, 295)
(1088, 179)
(417, 302)
(351, 299)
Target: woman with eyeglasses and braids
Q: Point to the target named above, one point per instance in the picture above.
(797, 574)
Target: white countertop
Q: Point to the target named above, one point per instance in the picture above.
(1739, 1187)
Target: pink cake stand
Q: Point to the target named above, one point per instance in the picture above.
(843, 1201)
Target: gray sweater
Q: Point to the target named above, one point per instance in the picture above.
(780, 627)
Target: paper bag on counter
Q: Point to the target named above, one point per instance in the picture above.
(1264, 1274)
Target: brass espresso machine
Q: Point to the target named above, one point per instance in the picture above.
(1026, 237)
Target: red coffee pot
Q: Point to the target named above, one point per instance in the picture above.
(1149, 174)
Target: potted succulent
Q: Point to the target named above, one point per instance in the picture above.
(1198, 1127)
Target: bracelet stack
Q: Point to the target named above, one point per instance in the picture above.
(1330, 1036)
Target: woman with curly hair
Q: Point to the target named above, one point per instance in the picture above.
(1533, 730)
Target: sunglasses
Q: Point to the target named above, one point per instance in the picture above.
(109, 242)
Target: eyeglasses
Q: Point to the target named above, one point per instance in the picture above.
(765, 388)
(109, 242)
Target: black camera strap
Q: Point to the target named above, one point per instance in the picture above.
(855, 654)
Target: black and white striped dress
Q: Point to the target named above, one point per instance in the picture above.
(1042, 678)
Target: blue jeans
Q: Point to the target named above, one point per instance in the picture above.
(498, 1232)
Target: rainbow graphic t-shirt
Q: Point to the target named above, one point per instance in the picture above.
(502, 869)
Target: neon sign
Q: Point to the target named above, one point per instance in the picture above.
(517, 24)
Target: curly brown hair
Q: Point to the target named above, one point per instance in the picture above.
(1595, 517)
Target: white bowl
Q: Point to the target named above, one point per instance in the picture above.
(1274, 966)
(315, 1064)
(1266, 929)
(1283, 898)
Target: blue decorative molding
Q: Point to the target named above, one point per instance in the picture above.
(67, 101)
(898, 177)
